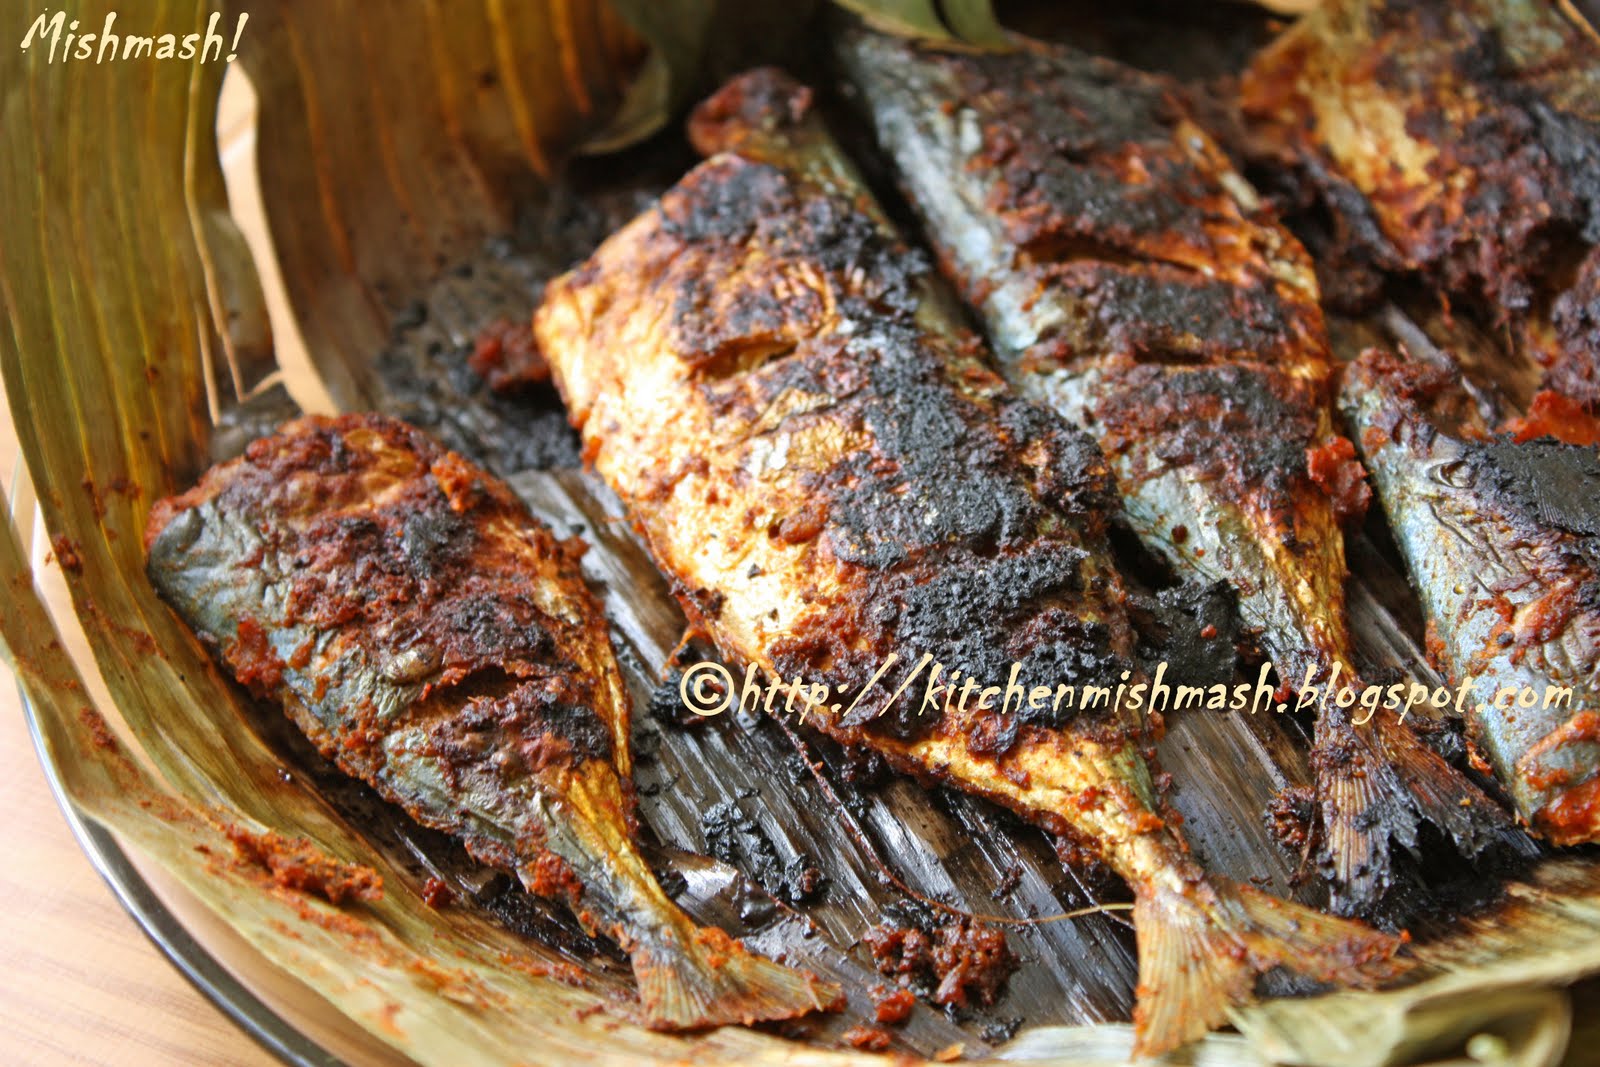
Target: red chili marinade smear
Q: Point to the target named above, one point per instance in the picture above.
(970, 961)
(100, 732)
(295, 863)
(892, 1007)
(1582, 728)
(1334, 467)
(867, 1038)
(554, 880)
(1554, 415)
(253, 659)
(67, 555)
(507, 357)
(1571, 818)
(436, 895)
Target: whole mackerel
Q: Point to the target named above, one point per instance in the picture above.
(1128, 277)
(813, 449)
(1503, 542)
(437, 642)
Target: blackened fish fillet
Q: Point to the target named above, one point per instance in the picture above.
(1503, 543)
(437, 642)
(813, 449)
(1129, 278)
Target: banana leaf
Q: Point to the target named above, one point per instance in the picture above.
(393, 145)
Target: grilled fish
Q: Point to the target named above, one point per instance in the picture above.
(1455, 139)
(436, 641)
(1503, 542)
(812, 447)
(1129, 278)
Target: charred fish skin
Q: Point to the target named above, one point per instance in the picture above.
(1129, 278)
(813, 448)
(1503, 543)
(1454, 139)
(436, 641)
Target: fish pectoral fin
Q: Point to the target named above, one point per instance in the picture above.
(1201, 951)
(689, 977)
(692, 978)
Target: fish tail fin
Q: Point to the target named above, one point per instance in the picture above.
(1200, 952)
(1378, 782)
(691, 978)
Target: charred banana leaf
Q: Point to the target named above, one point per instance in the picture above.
(437, 642)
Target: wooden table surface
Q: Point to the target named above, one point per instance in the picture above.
(79, 981)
